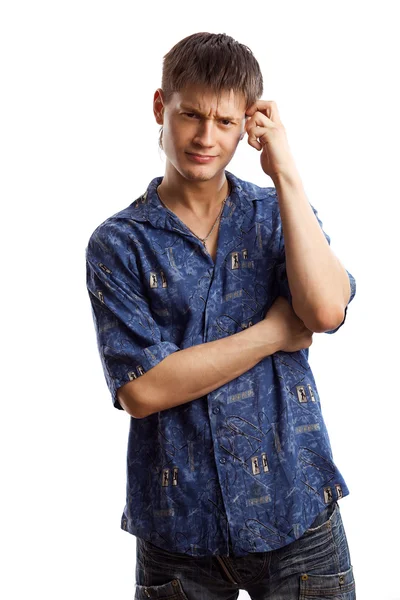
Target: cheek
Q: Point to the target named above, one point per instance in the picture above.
(233, 142)
(171, 139)
(178, 135)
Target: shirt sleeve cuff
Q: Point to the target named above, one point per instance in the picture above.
(117, 373)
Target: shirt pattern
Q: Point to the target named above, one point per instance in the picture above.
(249, 464)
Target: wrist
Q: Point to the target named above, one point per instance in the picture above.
(290, 177)
(269, 336)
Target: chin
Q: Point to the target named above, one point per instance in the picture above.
(201, 176)
(200, 172)
(197, 172)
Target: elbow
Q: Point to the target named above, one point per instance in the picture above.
(143, 396)
(326, 321)
(131, 402)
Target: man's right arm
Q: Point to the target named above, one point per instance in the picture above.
(130, 342)
(194, 372)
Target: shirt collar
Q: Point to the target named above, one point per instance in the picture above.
(148, 207)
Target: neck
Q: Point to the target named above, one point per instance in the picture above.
(202, 198)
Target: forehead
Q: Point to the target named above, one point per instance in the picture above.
(208, 102)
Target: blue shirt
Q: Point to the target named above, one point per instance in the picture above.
(251, 461)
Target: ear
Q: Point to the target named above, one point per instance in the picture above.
(158, 106)
(244, 127)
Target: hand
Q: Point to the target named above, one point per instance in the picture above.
(267, 133)
(291, 333)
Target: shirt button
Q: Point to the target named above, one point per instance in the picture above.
(222, 461)
(216, 410)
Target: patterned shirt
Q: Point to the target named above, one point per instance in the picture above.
(249, 465)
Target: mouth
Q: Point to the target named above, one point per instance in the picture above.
(200, 158)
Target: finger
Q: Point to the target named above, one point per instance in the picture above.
(262, 105)
(253, 134)
(257, 120)
(267, 107)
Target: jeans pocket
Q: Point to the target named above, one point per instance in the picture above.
(329, 514)
(340, 586)
(172, 590)
(316, 550)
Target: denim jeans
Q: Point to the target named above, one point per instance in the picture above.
(316, 566)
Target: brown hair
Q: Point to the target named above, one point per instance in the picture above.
(214, 60)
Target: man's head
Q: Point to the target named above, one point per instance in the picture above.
(208, 82)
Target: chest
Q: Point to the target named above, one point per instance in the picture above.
(207, 228)
(198, 293)
(211, 243)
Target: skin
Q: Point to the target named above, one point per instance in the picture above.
(195, 121)
(267, 134)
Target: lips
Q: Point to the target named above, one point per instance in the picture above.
(202, 155)
(200, 158)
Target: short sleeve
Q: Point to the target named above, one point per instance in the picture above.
(128, 339)
(281, 274)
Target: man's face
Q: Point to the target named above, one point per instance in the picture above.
(197, 124)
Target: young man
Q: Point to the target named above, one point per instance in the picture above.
(206, 292)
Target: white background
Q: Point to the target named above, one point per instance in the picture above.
(78, 143)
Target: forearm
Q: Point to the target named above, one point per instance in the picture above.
(318, 282)
(194, 372)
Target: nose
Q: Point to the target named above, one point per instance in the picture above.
(205, 134)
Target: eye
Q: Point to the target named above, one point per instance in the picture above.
(226, 122)
(190, 115)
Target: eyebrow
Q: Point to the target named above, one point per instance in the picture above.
(198, 112)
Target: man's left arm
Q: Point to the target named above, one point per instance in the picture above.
(318, 282)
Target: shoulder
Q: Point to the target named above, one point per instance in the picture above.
(113, 240)
(116, 229)
(251, 191)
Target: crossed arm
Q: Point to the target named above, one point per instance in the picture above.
(320, 290)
